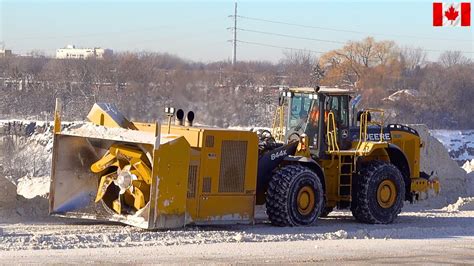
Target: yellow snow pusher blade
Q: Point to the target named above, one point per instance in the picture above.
(117, 173)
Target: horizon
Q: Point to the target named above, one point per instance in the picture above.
(197, 31)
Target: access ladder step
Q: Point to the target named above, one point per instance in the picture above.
(346, 169)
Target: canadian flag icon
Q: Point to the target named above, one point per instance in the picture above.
(454, 14)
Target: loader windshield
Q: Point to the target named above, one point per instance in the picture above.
(299, 110)
(304, 117)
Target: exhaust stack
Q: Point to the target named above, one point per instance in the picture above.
(179, 117)
(189, 119)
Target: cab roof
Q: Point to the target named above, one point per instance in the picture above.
(323, 90)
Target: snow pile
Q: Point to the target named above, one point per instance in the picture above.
(25, 163)
(26, 155)
(435, 158)
(16, 208)
(460, 143)
(120, 134)
(462, 204)
(401, 94)
(468, 166)
(30, 187)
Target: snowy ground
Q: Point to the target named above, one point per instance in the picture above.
(439, 251)
(453, 221)
(427, 232)
(419, 235)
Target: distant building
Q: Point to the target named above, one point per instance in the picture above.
(71, 52)
(5, 53)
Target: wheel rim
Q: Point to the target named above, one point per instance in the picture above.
(305, 200)
(386, 193)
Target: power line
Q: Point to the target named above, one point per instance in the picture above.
(291, 36)
(442, 51)
(328, 41)
(349, 31)
(281, 47)
(319, 52)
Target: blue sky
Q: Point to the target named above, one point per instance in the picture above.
(197, 30)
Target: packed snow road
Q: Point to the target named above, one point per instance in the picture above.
(441, 251)
(436, 235)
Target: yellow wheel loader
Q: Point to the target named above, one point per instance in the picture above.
(362, 164)
(156, 176)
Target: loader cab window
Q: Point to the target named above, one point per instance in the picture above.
(339, 105)
(312, 125)
(299, 110)
(304, 117)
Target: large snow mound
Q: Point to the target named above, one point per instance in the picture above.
(435, 159)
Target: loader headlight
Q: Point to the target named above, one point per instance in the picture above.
(169, 110)
(289, 94)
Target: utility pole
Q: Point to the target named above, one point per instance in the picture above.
(234, 41)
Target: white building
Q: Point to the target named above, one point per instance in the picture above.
(5, 53)
(71, 52)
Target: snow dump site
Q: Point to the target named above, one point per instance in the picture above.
(25, 162)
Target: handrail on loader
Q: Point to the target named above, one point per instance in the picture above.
(331, 133)
(278, 123)
(364, 124)
(331, 129)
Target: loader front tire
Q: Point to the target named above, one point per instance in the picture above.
(378, 193)
(295, 196)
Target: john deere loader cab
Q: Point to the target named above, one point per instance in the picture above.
(309, 112)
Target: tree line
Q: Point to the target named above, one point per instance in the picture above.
(399, 79)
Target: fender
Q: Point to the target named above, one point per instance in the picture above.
(399, 159)
(268, 162)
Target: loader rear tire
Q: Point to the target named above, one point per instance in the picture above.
(379, 190)
(295, 196)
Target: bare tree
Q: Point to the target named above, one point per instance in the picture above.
(412, 58)
(298, 65)
(451, 58)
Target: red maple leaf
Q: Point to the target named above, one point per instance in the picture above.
(451, 14)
